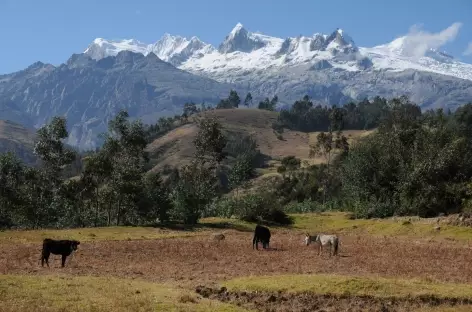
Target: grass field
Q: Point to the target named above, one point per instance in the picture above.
(382, 263)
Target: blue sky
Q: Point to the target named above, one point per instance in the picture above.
(51, 30)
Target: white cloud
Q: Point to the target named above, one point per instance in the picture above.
(417, 42)
(468, 51)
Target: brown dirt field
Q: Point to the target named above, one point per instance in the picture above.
(198, 260)
(304, 302)
(193, 261)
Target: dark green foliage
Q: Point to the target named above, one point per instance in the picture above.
(414, 165)
(198, 182)
(232, 101)
(291, 163)
(307, 184)
(210, 140)
(268, 104)
(262, 208)
(196, 186)
(154, 204)
(11, 178)
(246, 157)
(248, 100)
(305, 116)
(242, 170)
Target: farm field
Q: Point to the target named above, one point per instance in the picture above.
(383, 265)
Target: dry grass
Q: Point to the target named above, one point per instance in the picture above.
(376, 257)
(84, 293)
(460, 308)
(331, 284)
(419, 228)
(176, 148)
(93, 234)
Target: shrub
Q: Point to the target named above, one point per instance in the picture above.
(281, 169)
(261, 208)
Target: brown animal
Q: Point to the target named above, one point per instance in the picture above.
(218, 237)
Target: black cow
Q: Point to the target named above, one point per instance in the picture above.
(261, 234)
(57, 247)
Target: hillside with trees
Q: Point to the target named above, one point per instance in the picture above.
(200, 164)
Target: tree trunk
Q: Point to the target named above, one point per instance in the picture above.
(97, 203)
(118, 214)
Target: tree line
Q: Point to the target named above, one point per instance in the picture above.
(114, 186)
(415, 163)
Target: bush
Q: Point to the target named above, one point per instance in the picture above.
(281, 169)
(260, 208)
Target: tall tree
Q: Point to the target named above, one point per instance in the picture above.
(327, 143)
(248, 99)
(11, 178)
(198, 181)
(124, 147)
(54, 157)
(234, 99)
(210, 141)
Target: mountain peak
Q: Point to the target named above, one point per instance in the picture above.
(236, 29)
(340, 40)
(239, 39)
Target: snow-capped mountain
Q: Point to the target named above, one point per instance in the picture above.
(172, 49)
(242, 51)
(154, 80)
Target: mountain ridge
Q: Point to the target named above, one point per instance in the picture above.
(90, 92)
(156, 80)
(241, 49)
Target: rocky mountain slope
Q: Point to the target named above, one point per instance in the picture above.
(330, 68)
(153, 80)
(17, 139)
(90, 92)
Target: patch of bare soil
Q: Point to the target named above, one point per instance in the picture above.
(200, 260)
(304, 302)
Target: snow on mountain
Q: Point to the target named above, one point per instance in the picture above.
(397, 56)
(243, 51)
(239, 39)
(101, 48)
(173, 49)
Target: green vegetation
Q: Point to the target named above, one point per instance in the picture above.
(351, 286)
(414, 164)
(67, 293)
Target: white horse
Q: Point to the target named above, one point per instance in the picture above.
(323, 240)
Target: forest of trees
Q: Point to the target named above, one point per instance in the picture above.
(415, 163)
